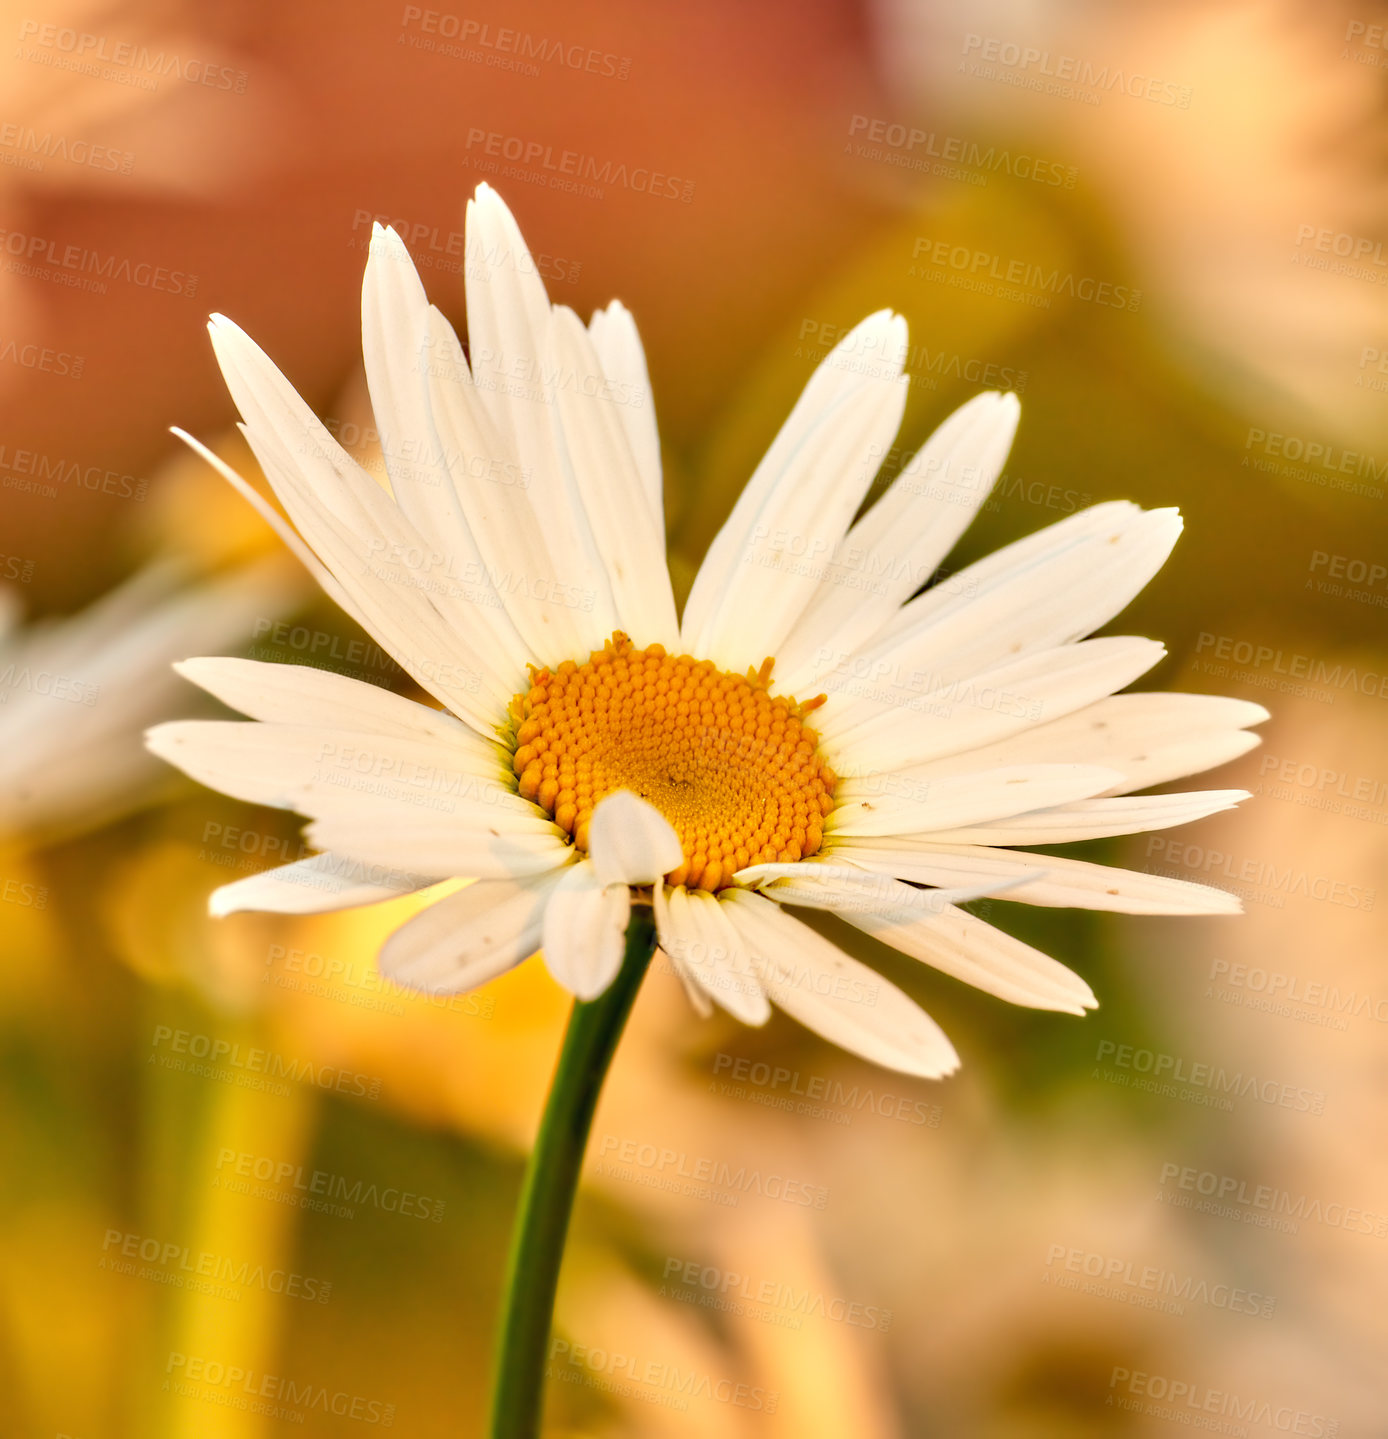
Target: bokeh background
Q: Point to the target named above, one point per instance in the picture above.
(1048, 1244)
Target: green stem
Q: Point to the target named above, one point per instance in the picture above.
(551, 1180)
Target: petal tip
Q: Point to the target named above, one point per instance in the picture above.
(630, 841)
(162, 739)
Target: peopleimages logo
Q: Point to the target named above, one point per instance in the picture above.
(700, 1175)
(1063, 71)
(80, 268)
(817, 1095)
(727, 1290)
(1275, 992)
(1187, 1401)
(589, 1361)
(80, 51)
(1213, 1078)
(1342, 243)
(987, 273)
(1316, 786)
(572, 169)
(1147, 1286)
(1268, 881)
(873, 354)
(319, 1190)
(168, 1262)
(1226, 1195)
(37, 148)
(449, 250)
(896, 144)
(1318, 454)
(506, 48)
(47, 683)
(42, 357)
(52, 470)
(258, 1393)
(213, 1057)
(1255, 656)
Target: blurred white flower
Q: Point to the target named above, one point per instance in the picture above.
(76, 693)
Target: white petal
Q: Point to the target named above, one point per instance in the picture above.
(1087, 522)
(277, 522)
(421, 806)
(624, 362)
(445, 629)
(508, 326)
(317, 885)
(1097, 818)
(895, 804)
(630, 841)
(394, 573)
(701, 1003)
(305, 695)
(1062, 883)
(696, 933)
(584, 931)
(628, 532)
(443, 455)
(325, 772)
(397, 354)
(925, 924)
(468, 938)
(507, 313)
(832, 994)
(899, 543)
(821, 884)
(559, 605)
(763, 566)
(1151, 738)
(438, 845)
(964, 946)
(732, 976)
(1049, 595)
(1055, 585)
(988, 707)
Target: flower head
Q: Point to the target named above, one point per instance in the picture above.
(821, 728)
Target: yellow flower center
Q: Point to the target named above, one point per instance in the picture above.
(733, 768)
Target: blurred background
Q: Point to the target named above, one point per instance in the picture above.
(250, 1190)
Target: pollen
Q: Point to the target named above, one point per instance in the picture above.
(735, 769)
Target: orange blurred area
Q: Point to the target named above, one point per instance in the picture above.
(251, 1189)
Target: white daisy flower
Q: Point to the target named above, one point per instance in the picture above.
(75, 693)
(594, 748)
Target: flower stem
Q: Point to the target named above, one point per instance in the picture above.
(551, 1180)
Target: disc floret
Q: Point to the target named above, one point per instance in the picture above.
(734, 768)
